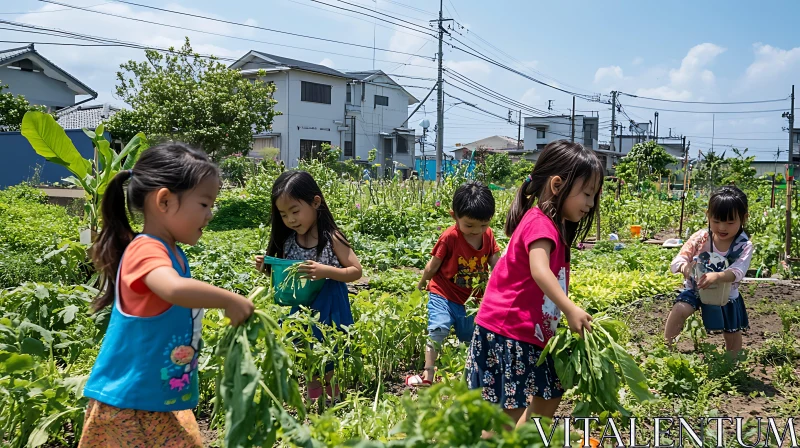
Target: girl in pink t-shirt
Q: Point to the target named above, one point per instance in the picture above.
(527, 291)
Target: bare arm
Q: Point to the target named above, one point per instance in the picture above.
(494, 259)
(189, 293)
(349, 272)
(430, 270)
(539, 257)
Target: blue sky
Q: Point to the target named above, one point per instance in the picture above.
(678, 50)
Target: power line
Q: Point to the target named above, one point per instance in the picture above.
(483, 57)
(703, 102)
(371, 22)
(734, 138)
(71, 35)
(48, 11)
(358, 12)
(707, 112)
(224, 21)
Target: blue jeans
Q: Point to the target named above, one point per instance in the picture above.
(443, 315)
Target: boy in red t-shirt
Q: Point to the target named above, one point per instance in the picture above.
(461, 257)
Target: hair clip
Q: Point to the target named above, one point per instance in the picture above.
(528, 179)
(130, 172)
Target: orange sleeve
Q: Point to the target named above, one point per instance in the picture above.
(142, 256)
(444, 247)
(495, 246)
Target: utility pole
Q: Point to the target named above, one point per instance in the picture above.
(685, 179)
(790, 180)
(772, 198)
(614, 119)
(656, 127)
(519, 131)
(573, 119)
(440, 101)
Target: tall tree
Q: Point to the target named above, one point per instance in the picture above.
(13, 108)
(183, 96)
(646, 161)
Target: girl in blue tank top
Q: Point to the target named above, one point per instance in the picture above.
(303, 228)
(143, 385)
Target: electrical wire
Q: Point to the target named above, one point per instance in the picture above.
(228, 22)
(703, 102)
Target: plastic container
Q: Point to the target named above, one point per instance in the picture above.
(716, 295)
(297, 295)
(636, 231)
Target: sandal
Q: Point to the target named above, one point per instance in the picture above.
(417, 381)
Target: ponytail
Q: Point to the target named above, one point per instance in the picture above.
(113, 239)
(171, 165)
(523, 201)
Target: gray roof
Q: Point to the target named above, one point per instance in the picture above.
(361, 76)
(12, 55)
(274, 60)
(79, 117)
(366, 75)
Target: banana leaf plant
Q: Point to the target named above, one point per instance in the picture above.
(50, 141)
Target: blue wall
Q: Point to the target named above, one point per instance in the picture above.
(18, 160)
(448, 166)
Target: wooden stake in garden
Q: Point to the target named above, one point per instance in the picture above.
(685, 180)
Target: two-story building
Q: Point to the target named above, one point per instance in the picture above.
(355, 111)
(377, 112)
(311, 100)
(40, 81)
(539, 131)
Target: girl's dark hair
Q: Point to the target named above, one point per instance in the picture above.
(571, 162)
(172, 165)
(300, 185)
(726, 203)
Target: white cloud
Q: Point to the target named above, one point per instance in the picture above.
(611, 73)
(694, 63)
(327, 62)
(692, 75)
(530, 97)
(638, 61)
(771, 62)
(469, 68)
(665, 93)
(96, 66)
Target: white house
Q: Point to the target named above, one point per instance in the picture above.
(539, 131)
(377, 113)
(40, 81)
(311, 98)
(495, 143)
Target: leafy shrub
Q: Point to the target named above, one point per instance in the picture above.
(20, 267)
(31, 226)
(22, 193)
(238, 169)
(242, 212)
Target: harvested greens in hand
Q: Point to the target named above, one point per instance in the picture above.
(593, 365)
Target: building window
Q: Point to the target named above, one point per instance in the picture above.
(381, 100)
(348, 149)
(349, 94)
(540, 146)
(540, 133)
(402, 144)
(315, 93)
(310, 149)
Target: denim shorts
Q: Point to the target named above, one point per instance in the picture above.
(444, 315)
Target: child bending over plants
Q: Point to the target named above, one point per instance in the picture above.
(303, 228)
(143, 384)
(527, 291)
(724, 240)
(462, 257)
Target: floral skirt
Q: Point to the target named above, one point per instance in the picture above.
(109, 426)
(506, 370)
